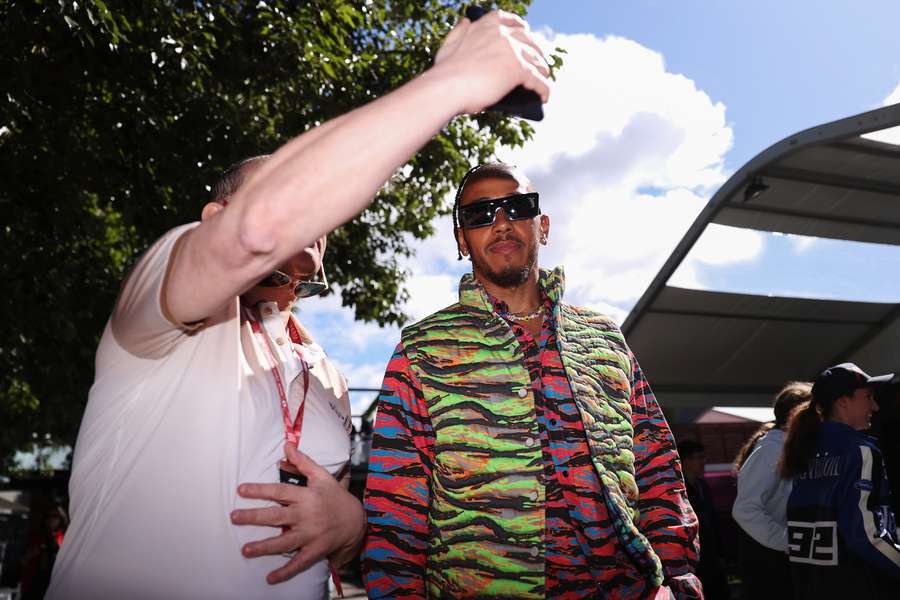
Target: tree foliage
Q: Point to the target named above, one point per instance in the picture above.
(115, 119)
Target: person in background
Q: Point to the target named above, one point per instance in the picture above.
(761, 503)
(886, 429)
(841, 532)
(40, 555)
(710, 569)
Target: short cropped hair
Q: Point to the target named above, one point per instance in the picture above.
(232, 178)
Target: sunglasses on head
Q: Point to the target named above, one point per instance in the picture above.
(516, 207)
(302, 288)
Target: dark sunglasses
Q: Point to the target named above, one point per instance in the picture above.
(516, 207)
(302, 288)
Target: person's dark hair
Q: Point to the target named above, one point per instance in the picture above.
(790, 397)
(493, 170)
(787, 399)
(232, 178)
(800, 443)
(688, 448)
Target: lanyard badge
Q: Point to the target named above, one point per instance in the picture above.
(287, 473)
(292, 429)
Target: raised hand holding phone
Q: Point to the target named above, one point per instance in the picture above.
(520, 102)
(483, 60)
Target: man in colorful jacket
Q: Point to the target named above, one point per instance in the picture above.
(518, 450)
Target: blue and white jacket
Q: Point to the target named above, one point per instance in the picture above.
(842, 536)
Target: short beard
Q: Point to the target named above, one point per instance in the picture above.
(509, 277)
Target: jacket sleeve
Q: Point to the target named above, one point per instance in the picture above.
(865, 520)
(756, 481)
(397, 492)
(666, 516)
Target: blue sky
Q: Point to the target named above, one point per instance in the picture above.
(658, 102)
(778, 65)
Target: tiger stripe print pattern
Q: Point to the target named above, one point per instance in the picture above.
(485, 515)
(482, 477)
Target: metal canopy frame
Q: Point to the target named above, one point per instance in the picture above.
(825, 181)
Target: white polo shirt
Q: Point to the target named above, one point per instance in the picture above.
(175, 421)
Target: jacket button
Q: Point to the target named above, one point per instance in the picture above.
(522, 392)
(529, 442)
(533, 496)
(534, 551)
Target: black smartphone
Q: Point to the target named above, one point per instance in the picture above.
(520, 102)
(288, 474)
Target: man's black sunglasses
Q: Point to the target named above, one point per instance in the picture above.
(484, 213)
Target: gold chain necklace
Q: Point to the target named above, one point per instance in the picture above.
(519, 317)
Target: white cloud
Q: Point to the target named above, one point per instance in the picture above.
(434, 271)
(362, 375)
(626, 157)
(334, 326)
(800, 244)
(428, 293)
(617, 241)
(615, 90)
(360, 350)
(721, 245)
(893, 97)
(718, 246)
(888, 136)
(892, 135)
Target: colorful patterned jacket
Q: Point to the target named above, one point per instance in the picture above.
(486, 518)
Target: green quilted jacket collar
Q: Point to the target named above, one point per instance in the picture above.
(473, 294)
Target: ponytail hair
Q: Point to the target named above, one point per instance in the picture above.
(747, 449)
(792, 395)
(800, 444)
(788, 398)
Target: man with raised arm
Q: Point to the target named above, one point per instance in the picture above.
(518, 451)
(204, 378)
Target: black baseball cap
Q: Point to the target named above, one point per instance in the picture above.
(843, 380)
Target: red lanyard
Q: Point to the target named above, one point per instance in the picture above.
(291, 430)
